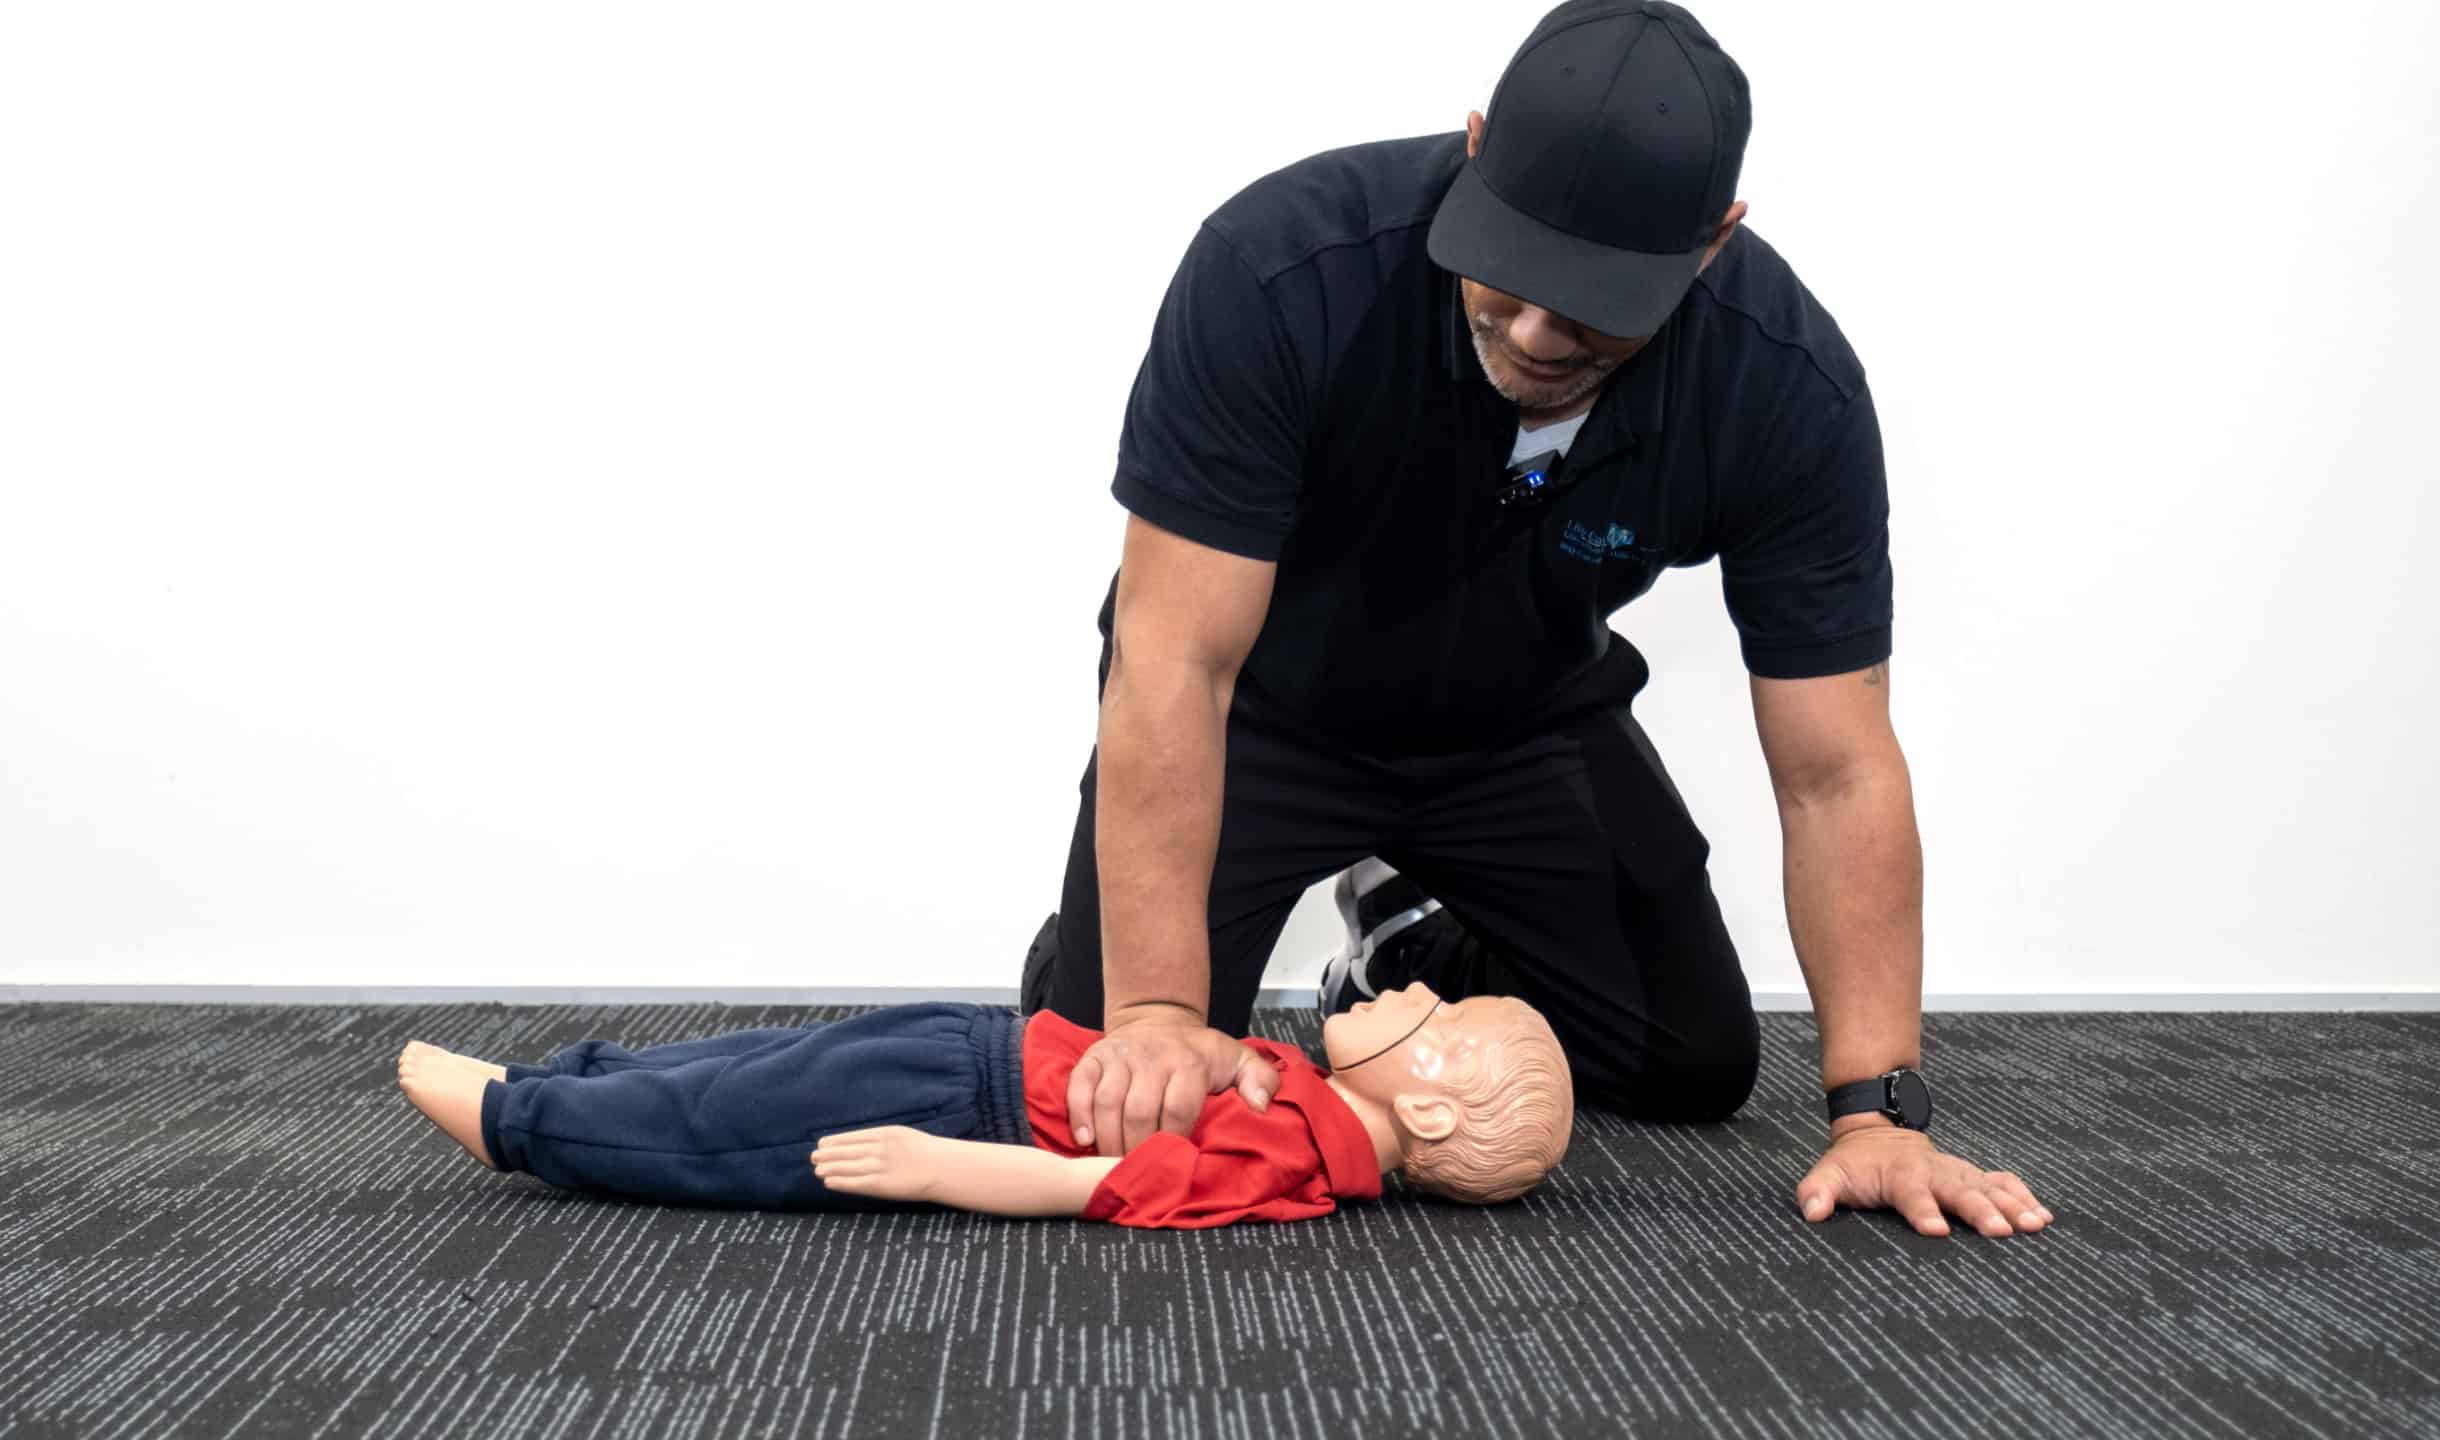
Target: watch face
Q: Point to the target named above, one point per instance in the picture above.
(1914, 1099)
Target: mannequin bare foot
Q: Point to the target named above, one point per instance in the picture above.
(451, 1096)
(483, 1068)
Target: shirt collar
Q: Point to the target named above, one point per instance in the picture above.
(1634, 401)
(1346, 1147)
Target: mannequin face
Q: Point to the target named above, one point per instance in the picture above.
(1417, 1065)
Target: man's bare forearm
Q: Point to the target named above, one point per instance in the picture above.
(1854, 879)
(1156, 828)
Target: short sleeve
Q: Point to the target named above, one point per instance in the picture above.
(1809, 585)
(1214, 439)
(1172, 1183)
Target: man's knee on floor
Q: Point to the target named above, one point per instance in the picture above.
(1694, 1081)
(1041, 959)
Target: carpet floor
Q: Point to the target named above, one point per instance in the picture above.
(225, 1219)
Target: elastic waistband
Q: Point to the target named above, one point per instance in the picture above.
(998, 1037)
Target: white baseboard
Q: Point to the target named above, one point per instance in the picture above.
(2410, 999)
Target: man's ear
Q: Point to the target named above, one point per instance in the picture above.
(1719, 237)
(1426, 1117)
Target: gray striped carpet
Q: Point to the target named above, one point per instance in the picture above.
(225, 1220)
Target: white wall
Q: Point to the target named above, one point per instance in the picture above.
(618, 495)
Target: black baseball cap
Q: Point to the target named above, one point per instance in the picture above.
(1610, 151)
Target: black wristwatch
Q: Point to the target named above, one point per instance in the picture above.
(1901, 1095)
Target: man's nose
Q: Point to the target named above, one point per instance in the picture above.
(1543, 337)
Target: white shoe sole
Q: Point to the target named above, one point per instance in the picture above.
(1353, 959)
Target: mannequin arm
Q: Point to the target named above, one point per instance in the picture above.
(896, 1162)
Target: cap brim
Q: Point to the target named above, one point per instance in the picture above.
(1626, 294)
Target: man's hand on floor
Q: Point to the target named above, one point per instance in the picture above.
(1880, 1166)
(1153, 1075)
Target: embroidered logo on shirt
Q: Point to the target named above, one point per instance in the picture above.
(1585, 543)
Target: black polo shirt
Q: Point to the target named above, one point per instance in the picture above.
(1311, 396)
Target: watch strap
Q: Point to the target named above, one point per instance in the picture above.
(1858, 1096)
(1902, 1095)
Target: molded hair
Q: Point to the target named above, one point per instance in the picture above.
(1516, 1109)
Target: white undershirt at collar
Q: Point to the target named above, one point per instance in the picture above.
(1556, 436)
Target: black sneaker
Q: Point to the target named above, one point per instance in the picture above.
(1379, 906)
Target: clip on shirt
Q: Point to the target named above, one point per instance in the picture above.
(1531, 481)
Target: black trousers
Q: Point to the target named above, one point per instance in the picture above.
(1569, 871)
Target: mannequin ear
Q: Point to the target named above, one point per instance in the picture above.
(1426, 1117)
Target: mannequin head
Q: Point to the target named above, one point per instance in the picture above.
(1477, 1089)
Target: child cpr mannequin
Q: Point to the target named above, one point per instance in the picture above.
(967, 1106)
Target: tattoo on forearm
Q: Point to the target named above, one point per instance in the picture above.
(1877, 674)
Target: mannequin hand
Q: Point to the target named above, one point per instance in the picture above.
(1880, 1166)
(890, 1162)
(1152, 1076)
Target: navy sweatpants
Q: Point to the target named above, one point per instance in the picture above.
(731, 1121)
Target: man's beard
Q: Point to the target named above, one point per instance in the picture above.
(1545, 394)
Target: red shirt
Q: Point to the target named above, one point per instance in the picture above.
(1292, 1161)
